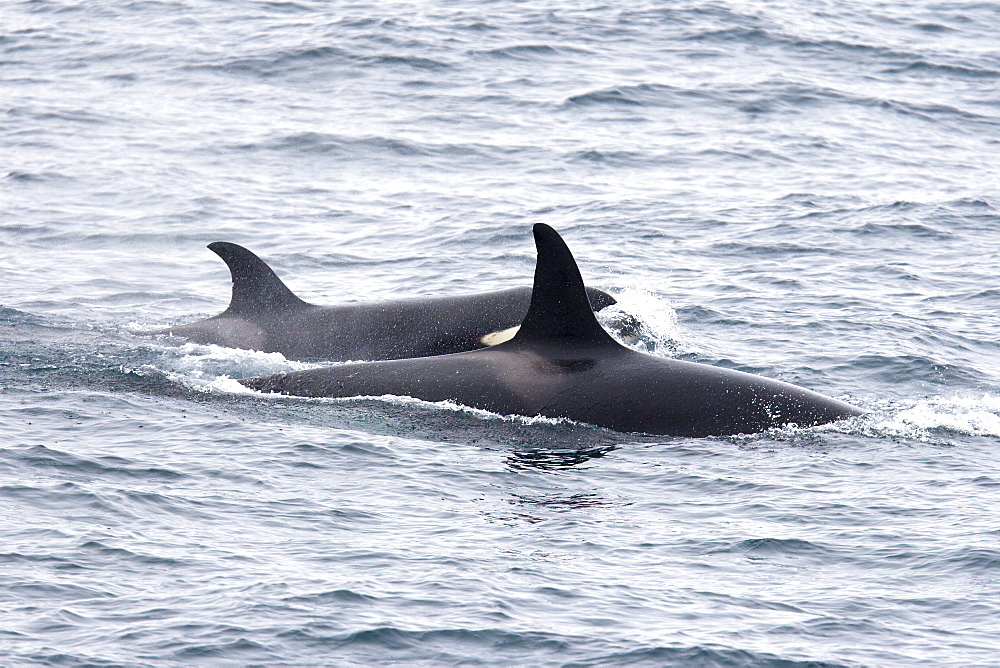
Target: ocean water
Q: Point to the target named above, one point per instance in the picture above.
(808, 191)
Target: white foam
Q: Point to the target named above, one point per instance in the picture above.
(460, 408)
(403, 400)
(970, 415)
(923, 420)
(204, 360)
(210, 368)
(661, 332)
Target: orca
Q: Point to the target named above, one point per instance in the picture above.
(265, 315)
(562, 364)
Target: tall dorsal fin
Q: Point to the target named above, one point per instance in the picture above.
(256, 288)
(560, 309)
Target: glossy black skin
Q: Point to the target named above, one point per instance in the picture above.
(264, 315)
(370, 331)
(562, 364)
(609, 386)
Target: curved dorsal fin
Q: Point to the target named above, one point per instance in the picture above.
(560, 309)
(256, 288)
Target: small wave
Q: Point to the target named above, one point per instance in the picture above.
(117, 555)
(408, 61)
(618, 158)
(281, 62)
(749, 603)
(973, 205)
(286, 7)
(322, 143)
(937, 69)
(738, 34)
(317, 59)
(780, 546)
(524, 52)
(50, 458)
(335, 597)
(437, 643)
(934, 28)
(902, 230)
(823, 47)
(776, 95)
(58, 592)
(447, 646)
(935, 112)
(57, 497)
(926, 420)
(888, 369)
(698, 656)
(970, 561)
(641, 95)
(748, 155)
(228, 650)
(145, 501)
(373, 146)
(19, 176)
(68, 115)
(769, 96)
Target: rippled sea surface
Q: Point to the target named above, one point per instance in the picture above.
(808, 191)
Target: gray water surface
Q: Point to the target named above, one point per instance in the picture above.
(806, 191)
